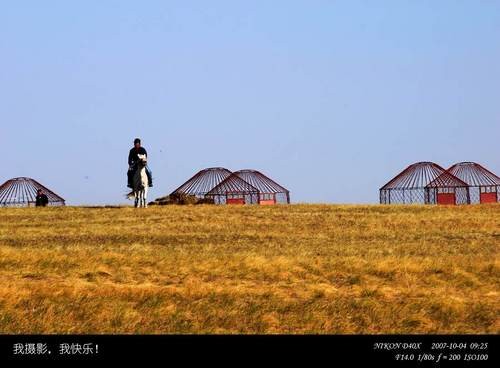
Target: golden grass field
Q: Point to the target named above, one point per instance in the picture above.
(248, 269)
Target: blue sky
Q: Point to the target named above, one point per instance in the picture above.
(330, 98)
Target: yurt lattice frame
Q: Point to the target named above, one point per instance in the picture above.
(270, 192)
(234, 190)
(202, 182)
(484, 186)
(22, 192)
(424, 183)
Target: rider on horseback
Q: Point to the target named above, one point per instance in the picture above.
(133, 158)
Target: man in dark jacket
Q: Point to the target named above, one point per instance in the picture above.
(133, 158)
(41, 199)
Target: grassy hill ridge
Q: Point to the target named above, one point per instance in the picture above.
(250, 269)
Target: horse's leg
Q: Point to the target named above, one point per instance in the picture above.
(136, 199)
(145, 197)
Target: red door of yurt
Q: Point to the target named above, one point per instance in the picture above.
(488, 197)
(235, 200)
(267, 199)
(267, 202)
(446, 198)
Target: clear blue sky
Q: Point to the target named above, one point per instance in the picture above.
(330, 98)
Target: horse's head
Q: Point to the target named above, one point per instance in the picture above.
(143, 160)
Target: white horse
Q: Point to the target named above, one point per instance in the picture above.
(140, 183)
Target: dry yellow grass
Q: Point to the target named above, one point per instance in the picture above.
(283, 269)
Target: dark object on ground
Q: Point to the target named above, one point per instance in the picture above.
(41, 200)
(180, 199)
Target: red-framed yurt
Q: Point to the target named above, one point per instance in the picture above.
(234, 190)
(270, 192)
(484, 186)
(220, 186)
(425, 183)
(447, 189)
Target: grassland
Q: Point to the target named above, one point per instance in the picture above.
(283, 269)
